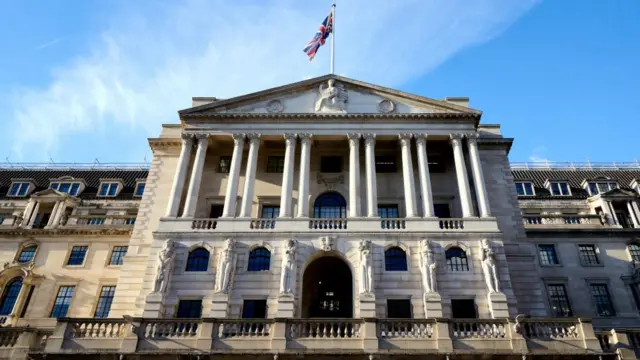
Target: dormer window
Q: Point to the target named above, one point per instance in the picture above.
(601, 187)
(525, 188)
(108, 189)
(558, 188)
(139, 189)
(70, 188)
(18, 189)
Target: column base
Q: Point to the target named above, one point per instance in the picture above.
(219, 306)
(498, 305)
(367, 308)
(432, 305)
(154, 306)
(286, 307)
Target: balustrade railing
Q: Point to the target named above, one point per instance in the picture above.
(204, 224)
(101, 220)
(605, 341)
(323, 329)
(9, 336)
(393, 224)
(244, 328)
(170, 328)
(551, 329)
(451, 224)
(478, 329)
(562, 219)
(405, 328)
(97, 328)
(262, 224)
(328, 224)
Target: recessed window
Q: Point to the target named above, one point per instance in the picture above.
(117, 255)
(442, 211)
(596, 188)
(559, 300)
(588, 254)
(140, 189)
(27, 254)
(524, 188)
(10, 296)
(259, 259)
(77, 255)
(602, 299)
(386, 164)
(388, 211)
(216, 211)
(108, 189)
(275, 164)
(62, 302)
(395, 259)
(104, 301)
(198, 260)
(457, 259)
(19, 189)
(399, 309)
(224, 165)
(548, 254)
(189, 309)
(331, 164)
(270, 211)
(463, 309)
(330, 205)
(254, 309)
(634, 251)
(559, 189)
(70, 188)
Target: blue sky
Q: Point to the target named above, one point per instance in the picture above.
(87, 79)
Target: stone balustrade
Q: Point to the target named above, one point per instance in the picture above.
(563, 221)
(101, 220)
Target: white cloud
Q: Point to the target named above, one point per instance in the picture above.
(538, 154)
(150, 61)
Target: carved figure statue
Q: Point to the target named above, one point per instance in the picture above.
(366, 270)
(64, 218)
(428, 267)
(603, 217)
(489, 267)
(327, 243)
(18, 219)
(225, 267)
(165, 267)
(332, 97)
(287, 275)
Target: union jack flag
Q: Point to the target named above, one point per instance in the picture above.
(321, 35)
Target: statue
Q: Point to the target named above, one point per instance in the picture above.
(18, 218)
(165, 267)
(603, 218)
(428, 267)
(287, 276)
(366, 269)
(64, 218)
(333, 97)
(489, 267)
(225, 267)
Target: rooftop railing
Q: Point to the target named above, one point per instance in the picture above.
(564, 165)
(73, 166)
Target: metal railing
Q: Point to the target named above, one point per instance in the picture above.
(570, 165)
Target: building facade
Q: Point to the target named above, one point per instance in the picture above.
(325, 218)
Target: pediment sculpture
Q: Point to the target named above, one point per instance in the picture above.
(332, 98)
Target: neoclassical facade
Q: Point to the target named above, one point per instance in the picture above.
(325, 218)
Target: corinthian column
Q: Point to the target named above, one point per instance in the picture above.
(234, 174)
(196, 176)
(178, 178)
(372, 187)
(461, 175)
(425, 177)
(354, 174)
(250, 175)
(303, 186)
(407, 175)
(478, 177)
(287, 175)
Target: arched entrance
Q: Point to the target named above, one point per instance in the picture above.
(327, 289)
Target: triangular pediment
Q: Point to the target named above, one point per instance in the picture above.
(50, 193)
(618, 193)
(330, 94)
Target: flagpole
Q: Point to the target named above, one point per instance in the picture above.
(333, 36)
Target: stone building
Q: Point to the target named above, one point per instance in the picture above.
(325, 218)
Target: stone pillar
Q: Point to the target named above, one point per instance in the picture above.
(26, 217)
(179, 177)
(407, 175)
(478, 177)
(231, 195)
(425, 177)
(219, 306)
(250, 175)
(34, 214)
(287, 175)
(614, 216)
(61, 209)
(632, 215)
(498, 305)
(196, 176)
(354, 175)
(461, 175)
(432, 305)
(54, 213)
(372, 187)
(636, 210)
(305, 169)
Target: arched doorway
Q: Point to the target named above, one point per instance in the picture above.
(330, 205)
(327, 289)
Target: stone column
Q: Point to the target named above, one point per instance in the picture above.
(461, 175)
(229, 209)
(179, 177)
(54, 213)
(26, 216)
(250, 175)
(34, 214)
(196, 176)
(61, 209)
(614, 216)
(372, 187)
(478, 177)
(636, 210)
(632, 215)
(303, 185)
(354, 175)
(287, 175)
(425, 177)
(407, 175)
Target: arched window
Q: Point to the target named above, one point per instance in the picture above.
(27, 254)
(457, 259)
(634, 250)
(259, 259)
(330, 205)
(395, 259)
(10, 295)
(198, 260)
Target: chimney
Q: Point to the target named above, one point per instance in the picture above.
(462, 101)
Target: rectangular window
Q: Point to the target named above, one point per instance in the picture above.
(442, 211)
(559, 300)
(77, 255)
(548, 255)
(19, 189)
(117, 255)
(388, 211)
(463, 309)
(560, 189)
(66, 187)
(27, 301)
(386, 164)
(602, 299)
(588, 254)
(104, 301)
(224, 165)
(270, 211)
(399, 309)
(140, 189)
(108, 189)
(63, 300)
(524, 188)
(216, 211)
(189, 309)
(254, 309)
(331, 164)
(275, 164)
(634, 251)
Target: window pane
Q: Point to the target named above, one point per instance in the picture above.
(77, 255)
(388, 211)
(528, 189)
(589, 255)
(559, 300)
(275, 164)
(113, 189)
(63, 300)
(55, 186)
(10, 296)
(254, 309)
(603, 187)
(270, 212)
(104, 188)
(520, 188)
(198, 260)
(27, 254)
(259, 260)
(548, 255)
(74, 189)
(634, 251)
(189, 309)
(593, 189)
(399, 309)
(330, 205)
(140, 189)
(117, 255)
(64, 187)
(395, 259)
(564, 187)
(104, 301)
(457, 259)
(601, 297)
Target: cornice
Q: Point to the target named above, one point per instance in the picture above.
(16, 231)
(298, 116)
(495, 143)
(586, 232)
(164, 142)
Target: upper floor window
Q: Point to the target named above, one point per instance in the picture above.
(395, 259)
(525, 188)
(259, 259)
(10, 296)
(559, 300)
(596, 188)
(254, 309)
(139, 189)
(198, 260)
(457, 259)
(19, 189)
(77, 255)
(602, 299)
(330, 205)
(559, 189)
(108, 189)
(588, 254)
(63, 301)
(104, 301)
(189, 309)
(275, 164)
(399, 308)
(117, 255)
(270, 211)
(634, 251)
(388, 211)
(27, 253)
(224, 165)
(386, 164)
(331, 164)
(70, 188)
(548, 254)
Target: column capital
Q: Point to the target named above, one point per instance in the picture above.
(289, 138)
(305, 139)
(405, 139)
(421, 139)
(237, 137)
(253, 138)
(354, 139)
(186, 138)
(201, 137)
(456, 138)
(369, 139)
(472, 138)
